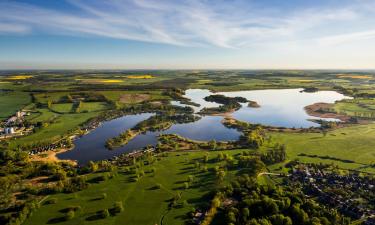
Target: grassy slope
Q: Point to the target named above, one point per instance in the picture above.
(351, 143)
(143, 204)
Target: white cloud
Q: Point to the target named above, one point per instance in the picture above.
(346, 38)
(6, 28)
(185, 23)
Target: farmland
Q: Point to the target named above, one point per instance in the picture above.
(177, 178)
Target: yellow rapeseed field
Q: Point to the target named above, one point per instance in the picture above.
(19, 77)
(146, 76)
(354, 76)
(100, 80)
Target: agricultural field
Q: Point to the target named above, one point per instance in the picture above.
(62, 105)
(12, 98)
(353, 144)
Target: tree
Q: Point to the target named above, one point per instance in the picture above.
(93, 167)
(220, 156)
(231, 217)
(104, 196)
(220, 175)
(212, 144)
(70, 215)
(190, 178)
(245, 213)
(104, 213)
(205, 158)
(118, 207)
(49, 104)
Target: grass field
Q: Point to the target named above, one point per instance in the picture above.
(10, 102)
(54, 96)
(93, 106)
(143, 203)
(350, 143)
(363, 108)
(60, 126)
(62, 108)
(42, 115)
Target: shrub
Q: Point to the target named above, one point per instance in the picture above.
(118, 207)
(104, 213)
(104, 195)
(69, 215)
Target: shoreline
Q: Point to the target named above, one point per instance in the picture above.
(51, 156)
(320, 109)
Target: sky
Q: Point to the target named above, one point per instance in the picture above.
(187, 34)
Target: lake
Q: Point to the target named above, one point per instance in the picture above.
(278, 107)
(92, 145)
(282, 108)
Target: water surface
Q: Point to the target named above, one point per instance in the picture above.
(282, 108)
(278, 107)
(91, 147)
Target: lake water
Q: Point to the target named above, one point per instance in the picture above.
(277, 108)
(281, 108)
(92, 146)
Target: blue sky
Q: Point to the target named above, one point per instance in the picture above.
(187, 34)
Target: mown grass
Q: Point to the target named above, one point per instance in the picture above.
(144, 203)
(351, 143)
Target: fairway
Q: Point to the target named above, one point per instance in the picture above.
(142, 196)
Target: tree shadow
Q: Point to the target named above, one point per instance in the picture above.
(56, 220)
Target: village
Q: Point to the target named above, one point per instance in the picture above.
(14, 126)
(351, 193)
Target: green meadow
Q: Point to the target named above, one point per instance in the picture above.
(353, 143)
(145, 201)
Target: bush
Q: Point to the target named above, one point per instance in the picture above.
(104, 195)
(118, 207)
(104, 213)
(69, 215)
